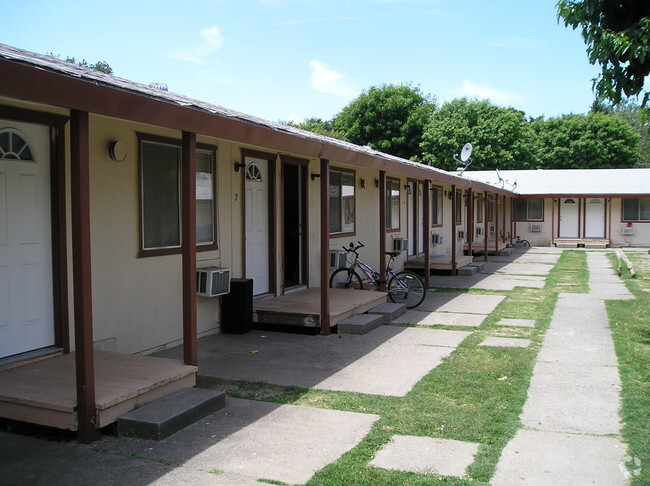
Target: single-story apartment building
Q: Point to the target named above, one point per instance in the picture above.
(113, 194)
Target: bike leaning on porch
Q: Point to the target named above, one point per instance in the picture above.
(403, 287)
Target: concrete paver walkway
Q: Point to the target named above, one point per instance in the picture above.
(573, 402)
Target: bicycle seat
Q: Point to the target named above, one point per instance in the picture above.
(393, 253)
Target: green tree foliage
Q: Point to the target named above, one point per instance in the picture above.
(389, 118)
(101, 66)
(320, 126)
(501, 137)
(617, 34)
(633, 115)
(594, 141)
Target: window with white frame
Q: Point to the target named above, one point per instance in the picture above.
(479, 208)
(342, 202)
(529, 209)
(436, 206)
(636, 209)
(160, 197)
(392, 204)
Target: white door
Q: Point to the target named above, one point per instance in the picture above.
(595, 218)
(257, 224)
(26, 296)
(569, 218)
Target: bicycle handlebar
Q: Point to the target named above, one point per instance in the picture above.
(352, 247)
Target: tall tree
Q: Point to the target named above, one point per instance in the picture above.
(101, 66)
(389, 118)
(594, 141)
(617, 34)
(633, 115)
(501, 137)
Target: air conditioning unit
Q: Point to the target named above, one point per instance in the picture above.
(436, 239)
(492, 229)
(338, 259)
(479, 230)
(400, 244)
(461, 234)
(627, 230)
(535, 227)
(212, 281)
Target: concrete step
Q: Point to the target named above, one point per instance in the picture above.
(389, 311)
(480, 266)
(506, 251)
(169, 414)
(360, 324)
(467, 271)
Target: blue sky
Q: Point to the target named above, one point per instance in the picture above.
(293, 59)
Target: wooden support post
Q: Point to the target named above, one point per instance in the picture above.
(382, 230)
(454, 231)
(82, 278)
(427, 232)
(470, 220)
(487, 224)
(324, 246)
(188, 251)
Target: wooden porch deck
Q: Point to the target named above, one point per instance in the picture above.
(44, 392)
(479, 248)
(302, 307)
(438, 262)
(582, 242)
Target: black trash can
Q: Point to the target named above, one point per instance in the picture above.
(237, 307)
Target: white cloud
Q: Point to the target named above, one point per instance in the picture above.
(328, 80)
(472, 90)
(211, 42)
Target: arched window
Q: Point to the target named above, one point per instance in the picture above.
(253, 173)
(15, 146)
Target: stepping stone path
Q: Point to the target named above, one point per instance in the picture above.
(426, 455)
(499, 342)
(517, 322)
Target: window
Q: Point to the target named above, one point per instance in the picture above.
(392, 204)
(530, 209)
(14, 146)
(479, 208)
(160, 175)
(636, 209)
(436, 206)
(459, 207)
(342, 210)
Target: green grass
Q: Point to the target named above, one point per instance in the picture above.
(475, 395)
(630, 323)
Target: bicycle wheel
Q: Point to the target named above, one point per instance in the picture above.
(525, 243)
(406, 288)
(343, 278)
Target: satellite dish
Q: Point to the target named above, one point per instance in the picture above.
(466, 152)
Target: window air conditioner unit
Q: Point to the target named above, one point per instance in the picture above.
(535, 227)
(461, 234)
(627, 230)
(400, 244)
(212, 281)
(492, 229)
(479, 231)
(436, 239)
(338, 259)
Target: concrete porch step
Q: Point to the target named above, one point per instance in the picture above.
(389, 311)
(169, 414)
(360, 324)
(467, 271)
(480, 266)
(505, 252)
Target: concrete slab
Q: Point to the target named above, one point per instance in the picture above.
(426, 455)
(577, 399)
(360, 324)
(550, 258)
(517, 322)
(258, 440)
(519, 268)
(536, 458)
(440, 319)
(487, 282)
(500, 342)
(386, 361)
(467, 270)
(389, 311)
(460, 303)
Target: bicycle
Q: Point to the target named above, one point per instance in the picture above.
(403, 287)
(524, 243)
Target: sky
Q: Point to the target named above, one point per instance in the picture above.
(295, 59)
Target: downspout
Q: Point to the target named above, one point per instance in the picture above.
(324, 246)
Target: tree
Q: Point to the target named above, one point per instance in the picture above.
(389, 118)
(318, 125)
(633, 115)
(501, 137)
(101, 66)
(594, 141)
(617, 34)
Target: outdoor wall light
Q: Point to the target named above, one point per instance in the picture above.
(376, 182)
(314, 176)
(116, 150)
(239, 165)
(407, 188)
(362, 183)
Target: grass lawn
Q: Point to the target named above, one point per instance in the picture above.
(477, 393)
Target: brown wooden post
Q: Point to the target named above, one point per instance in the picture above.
(454, 232)
(82, 278)
(324, 246)
(426, 200)
(188, 232)
(503, 238)
(382, 230)
(552, 221)
(487, 225)
(496, 225)
(470, 220)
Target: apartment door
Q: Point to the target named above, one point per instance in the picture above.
(258, 241)
(569, 218)
(294, 219)
(26, 288)
(595, 218)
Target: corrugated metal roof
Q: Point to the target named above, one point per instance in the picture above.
(568, 181)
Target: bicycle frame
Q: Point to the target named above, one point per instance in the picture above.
(372, 274)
